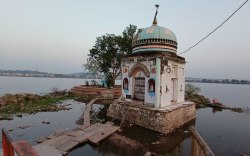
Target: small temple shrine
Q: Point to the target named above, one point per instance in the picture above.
(153, 82)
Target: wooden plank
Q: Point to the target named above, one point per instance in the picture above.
(61, 141)
(68, 145)
(86, 114)
(46, 150)
(59, 132)
(89, 132)
(55, 141)
(84, 137)
(51, 136)
(75, 133)
(90, 128)
(96, 138)
(81, 139)
(200, 142)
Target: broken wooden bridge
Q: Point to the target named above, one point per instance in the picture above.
(60, 143)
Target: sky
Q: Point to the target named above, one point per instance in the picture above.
(56, 35)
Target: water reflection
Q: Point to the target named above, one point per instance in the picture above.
(226, 132)
(134, 140)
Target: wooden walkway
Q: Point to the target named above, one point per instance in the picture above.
(86, 114)
(61, 142)
(66, 141)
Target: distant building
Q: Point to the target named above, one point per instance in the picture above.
(153, 81)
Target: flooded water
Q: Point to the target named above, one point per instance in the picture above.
(226, 132)
(61, 120)
(234, 95)
(38, 85)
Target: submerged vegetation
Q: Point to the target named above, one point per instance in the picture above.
(191, 94)
(201, 101)
(17, 104)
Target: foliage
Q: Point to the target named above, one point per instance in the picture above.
(44, 103)
(191, 90)
(94, 82)
(57, 91)
(105, 56)
(86, 83)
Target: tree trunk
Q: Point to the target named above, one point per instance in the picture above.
(113, 82)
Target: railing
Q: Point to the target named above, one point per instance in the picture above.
(21, 148)
(199, 146)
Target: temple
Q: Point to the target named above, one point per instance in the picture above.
(153, 82)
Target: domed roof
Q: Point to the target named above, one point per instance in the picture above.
(156, 31)
(155, 38)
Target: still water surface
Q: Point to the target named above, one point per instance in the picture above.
(226, 132)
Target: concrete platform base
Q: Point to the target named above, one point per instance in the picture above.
(162, 120)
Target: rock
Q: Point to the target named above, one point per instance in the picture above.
(7, 117)
(147, 154)
(46, 122)
(19, 115)
(42, 139)
(23, 127)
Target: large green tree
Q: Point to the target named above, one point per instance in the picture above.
(105, 56)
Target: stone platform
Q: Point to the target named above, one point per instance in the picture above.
(162, 120)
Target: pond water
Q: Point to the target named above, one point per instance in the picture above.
(35, 128)
(38, 85)
(226, 132)
(234, 95)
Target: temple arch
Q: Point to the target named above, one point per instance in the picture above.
(139, 67)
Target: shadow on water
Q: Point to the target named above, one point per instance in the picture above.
(136, 141)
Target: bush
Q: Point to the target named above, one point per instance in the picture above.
(191, 90)
(86, 83)
(93, 82)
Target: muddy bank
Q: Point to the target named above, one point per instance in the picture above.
(17, 104)
(203, 102)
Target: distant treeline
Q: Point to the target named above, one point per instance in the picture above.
(29, 73)
(225, 81)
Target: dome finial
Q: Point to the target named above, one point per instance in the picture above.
(155, 20)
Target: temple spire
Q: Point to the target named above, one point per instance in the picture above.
(155, 20)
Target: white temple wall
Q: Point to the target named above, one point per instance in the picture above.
(149, 98)
(181, 83)
(175, 82)
(172, 82)
(165, 83)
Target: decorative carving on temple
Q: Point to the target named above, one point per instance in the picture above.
(139, 67)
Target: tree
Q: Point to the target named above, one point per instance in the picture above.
(105, 56)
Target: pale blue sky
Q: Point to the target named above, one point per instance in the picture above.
(55, 35)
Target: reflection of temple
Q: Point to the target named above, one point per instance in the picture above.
(153, 82)
(138, 141)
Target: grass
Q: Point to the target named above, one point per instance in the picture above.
(42, 104)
